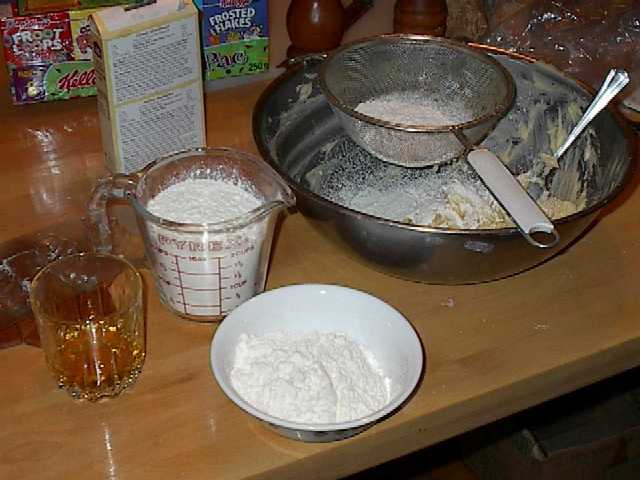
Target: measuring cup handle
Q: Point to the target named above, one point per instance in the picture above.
(526, 214)
(114, 187)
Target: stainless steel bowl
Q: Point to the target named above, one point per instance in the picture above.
(293, 124)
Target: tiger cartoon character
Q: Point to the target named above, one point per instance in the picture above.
(254, 32)
(233, 37)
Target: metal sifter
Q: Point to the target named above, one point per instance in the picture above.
(470, 92)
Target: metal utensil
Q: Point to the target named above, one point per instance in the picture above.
(613, 83)
(298, 134)
(471, 89)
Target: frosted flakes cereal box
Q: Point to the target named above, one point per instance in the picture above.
(235, 37)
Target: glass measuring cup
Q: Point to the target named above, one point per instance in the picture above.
(202, 270)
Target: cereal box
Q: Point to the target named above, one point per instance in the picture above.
(149, 82)
(48, 56)
(235, 37)
(8, 8)
(38, 38)
(30, 7)
(81, 33)
(45, 82)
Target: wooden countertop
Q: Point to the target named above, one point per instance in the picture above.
(492, 349)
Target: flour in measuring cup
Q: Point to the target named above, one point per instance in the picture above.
(313, 378)
(207, 272)
(203, 201)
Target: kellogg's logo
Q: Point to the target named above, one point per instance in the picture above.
(233, 3)
(76, 79)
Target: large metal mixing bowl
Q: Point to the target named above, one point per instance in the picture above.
(293, 124)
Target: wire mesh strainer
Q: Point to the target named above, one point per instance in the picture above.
(470, 89)
(432, 100)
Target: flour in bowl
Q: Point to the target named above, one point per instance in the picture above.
(447, 196)
(312, 378)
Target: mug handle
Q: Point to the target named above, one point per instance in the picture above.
(118, 186)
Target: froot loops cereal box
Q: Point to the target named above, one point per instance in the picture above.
(48, 56)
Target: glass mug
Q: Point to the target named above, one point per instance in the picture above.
(90, 317)
(202, 271)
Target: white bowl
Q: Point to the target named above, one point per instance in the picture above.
(325, 308)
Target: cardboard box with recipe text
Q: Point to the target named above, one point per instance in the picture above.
(149, 82)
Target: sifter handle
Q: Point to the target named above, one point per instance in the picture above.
(526, 213)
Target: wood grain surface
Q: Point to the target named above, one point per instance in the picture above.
(492, 349)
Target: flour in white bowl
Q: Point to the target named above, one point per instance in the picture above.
(320, 377)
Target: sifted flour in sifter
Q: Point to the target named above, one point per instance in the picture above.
(313, 378)
(412, 108)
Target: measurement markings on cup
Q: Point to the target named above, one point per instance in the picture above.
(192, 282)
(185, 288)
(181, 286)
(205, 278)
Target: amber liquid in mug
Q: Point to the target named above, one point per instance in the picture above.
(100, 355)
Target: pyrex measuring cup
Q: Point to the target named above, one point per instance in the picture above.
(202, 270)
